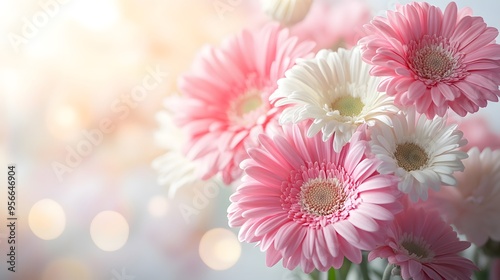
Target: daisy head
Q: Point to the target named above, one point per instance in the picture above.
(423, 153)
(434, 60)
(424, 247)
(335, 91)
(472, 205)
(225, 96)
(309, 205)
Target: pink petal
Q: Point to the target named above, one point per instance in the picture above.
(362, 221)
(273, 256)
(347, 231)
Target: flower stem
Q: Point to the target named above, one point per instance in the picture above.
(323, 275)
(334, 274)
(388, 272)
(363, 266)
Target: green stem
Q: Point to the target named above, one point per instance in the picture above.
(335, 274)
(363, 266)
(315, 275)
(387, 272)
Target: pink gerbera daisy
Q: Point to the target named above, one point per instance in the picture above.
(424, 247)
(434, 60)
(334, 24)
(309, 205)
(225, 103)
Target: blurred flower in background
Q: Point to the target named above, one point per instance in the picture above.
(288, 12)
(334, 23)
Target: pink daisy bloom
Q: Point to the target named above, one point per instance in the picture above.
(334, 24)
(472, 206)
(309, 205)
(424, 247)
(226, 96)
(434, 60)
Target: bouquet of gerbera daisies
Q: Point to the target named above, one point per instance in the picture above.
(342, 156)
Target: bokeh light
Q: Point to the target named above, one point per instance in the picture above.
(109, 230)
(63, 122)
(219, 249)
(47, 219)
(158, 206)
(64, 269)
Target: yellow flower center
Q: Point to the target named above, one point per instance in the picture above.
(249, 102)
(246, 109)
(348, 105)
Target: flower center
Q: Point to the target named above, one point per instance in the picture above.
(247, 108)
(410, 156)
(319, 194)
(322, 197)
(417, 248)
(433, 60)
(249, 102)
(348, 105)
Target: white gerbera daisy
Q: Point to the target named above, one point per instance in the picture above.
(423, 153)
(336, 91)
(287, 12)
(174, 169)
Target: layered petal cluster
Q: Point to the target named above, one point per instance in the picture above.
(225, 102)
(472, 206)
(336, 92)
(309, 205)
(424, 247)
(434, 60)
(423, 153)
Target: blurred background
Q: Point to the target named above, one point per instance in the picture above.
(81, 83)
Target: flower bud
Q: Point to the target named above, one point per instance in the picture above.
(288, 12)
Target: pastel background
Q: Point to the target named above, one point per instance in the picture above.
(107, 65)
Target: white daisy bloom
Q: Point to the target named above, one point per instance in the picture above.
(336, 91)
(174, 169)
(423, 153)
(287, 12)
